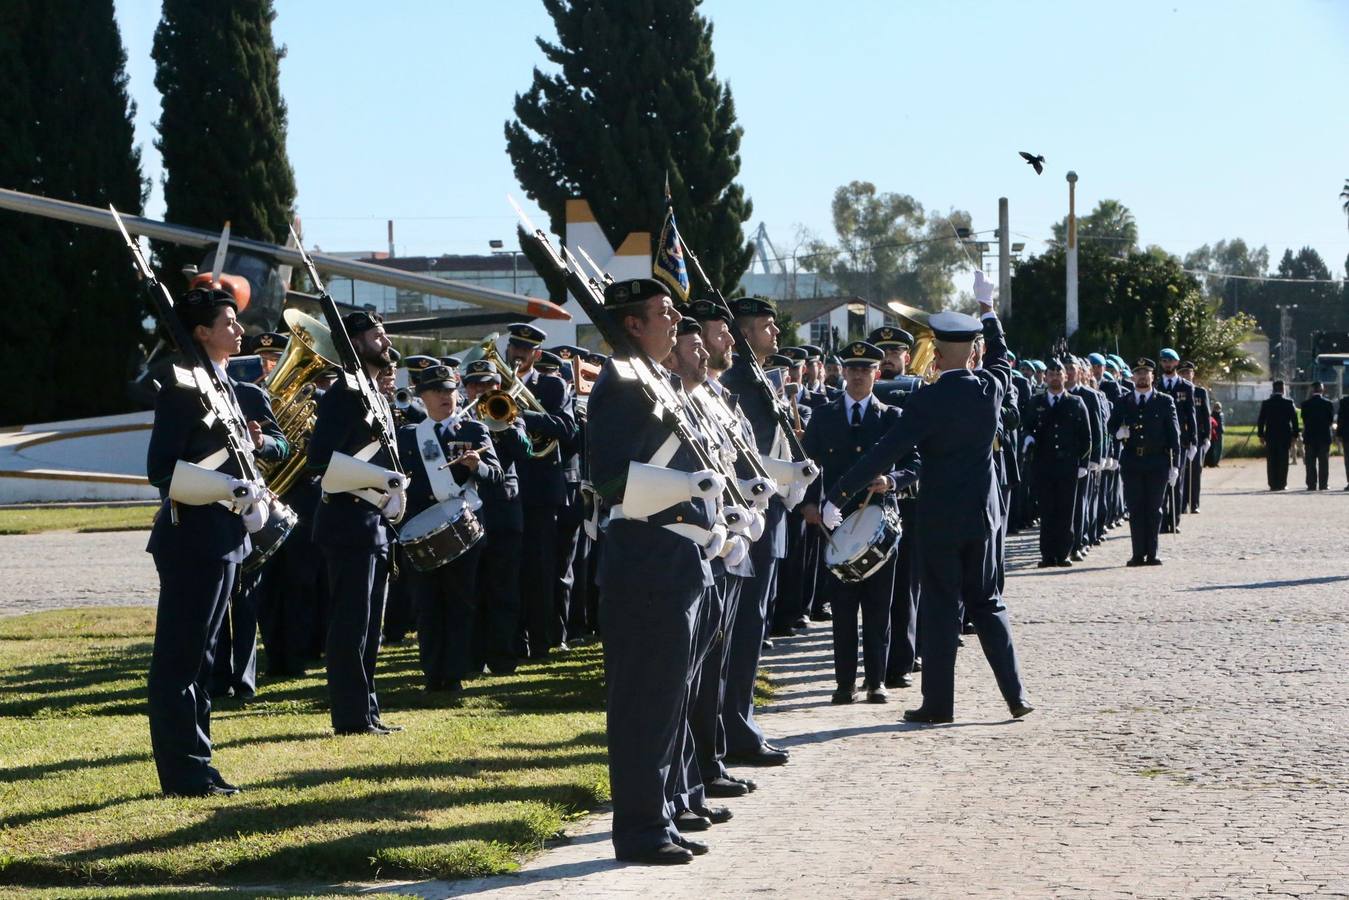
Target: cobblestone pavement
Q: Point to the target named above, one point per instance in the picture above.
(63, 569)
(1190, 740)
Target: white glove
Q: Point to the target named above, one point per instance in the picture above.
(832, 516)
(706, 484)
(1026, 444)
(1172, 475)
(246, 493)
(983, 289)
(738, 519)
(715, 542)
(759, 491)
(1122, 433)
(1093, 467)
(757, 522)
(1190, 453)
(1114, 464)
(796, 495)
(735, 551)
(397, 481)
(393, 507)
(254, 516)
(1081, 471)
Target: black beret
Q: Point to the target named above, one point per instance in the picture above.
(753, 306)
(633, 290)
(357, 322)
(862, 353)
(688, 325)
(706, 309)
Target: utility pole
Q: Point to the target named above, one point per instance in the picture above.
(1287, 344)
(1070, 314)
(1004, 260)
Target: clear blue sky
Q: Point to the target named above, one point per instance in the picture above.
(1210, 120)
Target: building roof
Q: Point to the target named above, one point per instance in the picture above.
(456, 263)
(811, 308)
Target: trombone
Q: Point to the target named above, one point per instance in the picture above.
(498, 409)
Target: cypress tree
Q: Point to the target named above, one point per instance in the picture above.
(73, 309)
(222, 127)
(636, 98)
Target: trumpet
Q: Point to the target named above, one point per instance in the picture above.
(498, 409)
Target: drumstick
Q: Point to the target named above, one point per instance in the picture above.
(829, 539)
(870, 493)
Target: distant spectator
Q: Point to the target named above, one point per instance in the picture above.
(1277, 430)
(1317, 415)
(1215, 446)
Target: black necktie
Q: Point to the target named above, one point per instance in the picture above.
(857, 415)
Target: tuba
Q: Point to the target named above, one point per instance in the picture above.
(499, 408)
(292, 389)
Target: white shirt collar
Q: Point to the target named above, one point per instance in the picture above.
(849, 403)
(1143, 395)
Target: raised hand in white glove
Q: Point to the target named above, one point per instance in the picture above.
(1172, 475)
(393, 507)
(397, 481)
(831, 516)
(735, 550)
(254, 516)
(1026, 444)
(1122, 433)
(758, 491)
(1081, 471)
(983, 290)
(706, 484)
(738, 519)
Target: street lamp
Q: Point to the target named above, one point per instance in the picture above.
(496, 246)
(1070, 313)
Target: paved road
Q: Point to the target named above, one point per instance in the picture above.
(1190, 741)
(65, 569)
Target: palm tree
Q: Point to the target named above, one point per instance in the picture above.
(1344, 195)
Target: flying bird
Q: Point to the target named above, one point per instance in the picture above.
(1037, 162)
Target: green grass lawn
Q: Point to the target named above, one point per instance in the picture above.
(468, 788)
(71, 518)
(1239, 441)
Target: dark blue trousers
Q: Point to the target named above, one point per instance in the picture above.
(1145, 491)
(1056, 496)
(498, 616)
(236, 651)
(743, 734)
(874, 598)
(358, 581)
(955, 569)
(648, 646)
(709, 689)
(445, 603)
(904, 607)
(193, 597)
(686, 789)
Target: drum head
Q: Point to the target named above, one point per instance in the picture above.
(852, 538)
(428, 521)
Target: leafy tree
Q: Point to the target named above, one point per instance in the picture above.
(1134, 306)
(635, 98)
(1344, 195)
(1110, 224)
(1321, 305)
(222, 131)
(889, 247)
(1232, 257)
(67, 125)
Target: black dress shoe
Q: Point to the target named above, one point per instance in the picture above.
(715, 814)
(766, 645)
(842, 696)
(1064, 564)
(899, 681)
(380, 723)
(750, 784)
(877, 695)
(782, 631)
(689, 820)
(725, 787)
(1046, 564)
(764, 756)
(1135, 561)
(363, 729)
(219, 781)
(918, 664)
(825, 615)
(927, 716)
(697, 848)
(1021, 710)
(967, 628)
(801, 623)
(1076, 556)
(208, 790)
(666, 854)
(1153, 561)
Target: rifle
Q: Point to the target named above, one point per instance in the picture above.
(630, 362)
(201, 372)
(756, 370)
(355, 375)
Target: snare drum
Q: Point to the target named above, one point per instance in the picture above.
(280, 523)
(440, 534)
(863, 543)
